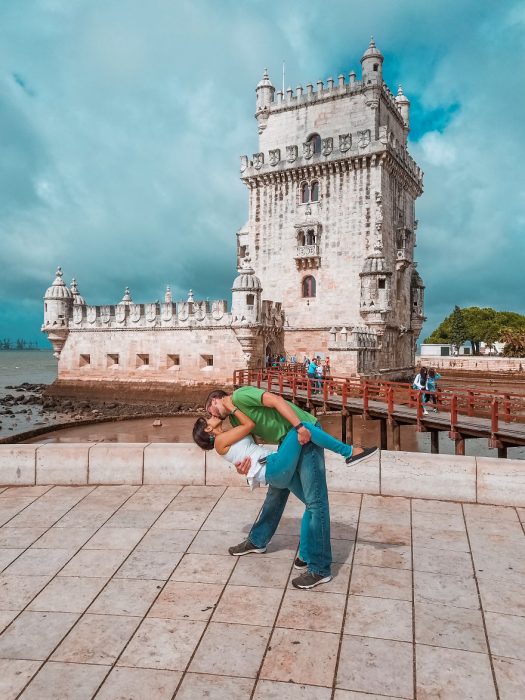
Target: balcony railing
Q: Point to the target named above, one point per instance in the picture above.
(307, 251)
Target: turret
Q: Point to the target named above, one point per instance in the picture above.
(126, 299)
(403, 104)
(264, 98)
(58, 304)
(372, 65)
(246, 297)
(78, 299)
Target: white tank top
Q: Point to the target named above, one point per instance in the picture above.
(247, 447)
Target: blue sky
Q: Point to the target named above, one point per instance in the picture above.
(121, 124)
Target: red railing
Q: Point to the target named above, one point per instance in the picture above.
(497, 407)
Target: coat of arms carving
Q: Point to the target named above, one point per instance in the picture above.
(327, 146)
(308, 149)
(134, 312)
(275, 156)
(91, 314)
(258, 160)
(291, 153)
(120, 313)
(244, 163)
(345, 142)
(363, 138)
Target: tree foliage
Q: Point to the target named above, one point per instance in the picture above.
(514, 340)
(481, 324)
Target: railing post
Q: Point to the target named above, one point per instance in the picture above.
(453, 413)
(390, 400)
(494, 418)
(506, 408)
(269, 381)
(470, 403)
(365, 400)
(281, 383)
(259, 378)
(419, 411)
(344, 395)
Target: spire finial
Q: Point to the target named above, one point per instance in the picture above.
(190, 295)
(399, 89)
(59, 272)
(372, 43)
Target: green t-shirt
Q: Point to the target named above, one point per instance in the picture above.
(269, 424)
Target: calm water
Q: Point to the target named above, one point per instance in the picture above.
(41, 367)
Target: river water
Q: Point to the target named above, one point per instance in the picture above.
(40, 367)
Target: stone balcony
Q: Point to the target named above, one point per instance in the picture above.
(307, 257)
(403, 258)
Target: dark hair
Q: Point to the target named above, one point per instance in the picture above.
(215, 394)
(431, 372)
(203, 439)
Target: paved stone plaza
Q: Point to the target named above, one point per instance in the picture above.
(128, 592)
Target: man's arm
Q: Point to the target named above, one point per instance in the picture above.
(281, 406)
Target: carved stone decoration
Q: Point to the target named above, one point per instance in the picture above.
(134, 313)
(166, 312)
(345, 142)
(105, 314)
(184, 311)
(384, 135)
(244, 163)
(292, 153)
(77, 314)
(258, 160)
(217, 310)
(199, 310)
(91, 314)
(275, 156)
(151, 312)
(120, 313)
(308, 149)
(327, 146)
(363, 138)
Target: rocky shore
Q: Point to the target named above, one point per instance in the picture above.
(30, 406)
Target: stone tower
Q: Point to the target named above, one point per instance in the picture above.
(331, 227)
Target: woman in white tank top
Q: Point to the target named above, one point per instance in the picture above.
(267, 467)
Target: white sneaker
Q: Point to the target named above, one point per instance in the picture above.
(425, 412)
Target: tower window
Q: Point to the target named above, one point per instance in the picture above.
(300, 238)
(376, 67)
(173, 361)
(381, 284)
(84, 360)
(206, 361)
(142, 360)
(308, 287)
(314, 196)
(250, 299)
(112, 359)
(305, 193)
(310, 237)
(315, 140)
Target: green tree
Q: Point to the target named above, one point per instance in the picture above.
(514, 340)
(458, 328)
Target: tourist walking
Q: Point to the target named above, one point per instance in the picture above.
(310, 372)
(431, 386)
(274, 418)
(420, 384)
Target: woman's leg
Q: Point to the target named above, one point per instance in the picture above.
(323, 439)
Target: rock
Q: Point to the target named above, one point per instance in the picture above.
(157, 423)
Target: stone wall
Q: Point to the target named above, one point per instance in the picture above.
(409, 474)
(474, 363)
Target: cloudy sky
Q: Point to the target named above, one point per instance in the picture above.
(121, 124)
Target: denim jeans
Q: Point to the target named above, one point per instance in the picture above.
(281, 465)
(308, 484)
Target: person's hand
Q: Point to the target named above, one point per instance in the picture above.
(228, 403)
(244, 466)
(303, 435)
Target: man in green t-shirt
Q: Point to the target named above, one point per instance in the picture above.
(274, 418)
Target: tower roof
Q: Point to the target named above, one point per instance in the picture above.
(372, 51)
(126, 299)
(401, 98)
(78, 300)
(265, 82)
(58, 289)
(247, 281)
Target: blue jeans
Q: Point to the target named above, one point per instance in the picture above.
(281, 465)
(308, 484)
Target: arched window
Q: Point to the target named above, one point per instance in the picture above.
(310, 237)
(300, 238)
(314, 193)
(315, 140)
(309, 286)
(305, 193)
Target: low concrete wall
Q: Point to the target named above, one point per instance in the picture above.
(474, 363)
(411, 474)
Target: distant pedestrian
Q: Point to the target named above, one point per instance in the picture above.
(310, 373)
(319, 374)
(327, 368)
(420, 384)
(431, 386)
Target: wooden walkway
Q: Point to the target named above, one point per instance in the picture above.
(473, 413)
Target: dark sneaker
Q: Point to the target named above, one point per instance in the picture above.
(245, 547)
(299, 564)
(309, 580)
(365, 454)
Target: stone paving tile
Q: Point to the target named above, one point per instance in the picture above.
(275, 690)
(58, 681)
(379, 617)
(68, 594)
(296, 657)
(164, 644)
(143, 564)
(376, 666)
(126, 597)
(449, 674)
(231, 650)
(196, 686)
(452, 627)
(381, 583)
(204, 568)
(96, 639)
(138, 684)
(34, 635)
(233, 617)
(510, 675)
(14, 675)
(181, 600)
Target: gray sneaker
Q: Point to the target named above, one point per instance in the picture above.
(309, 580)
(299, 564)
(245, 547)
